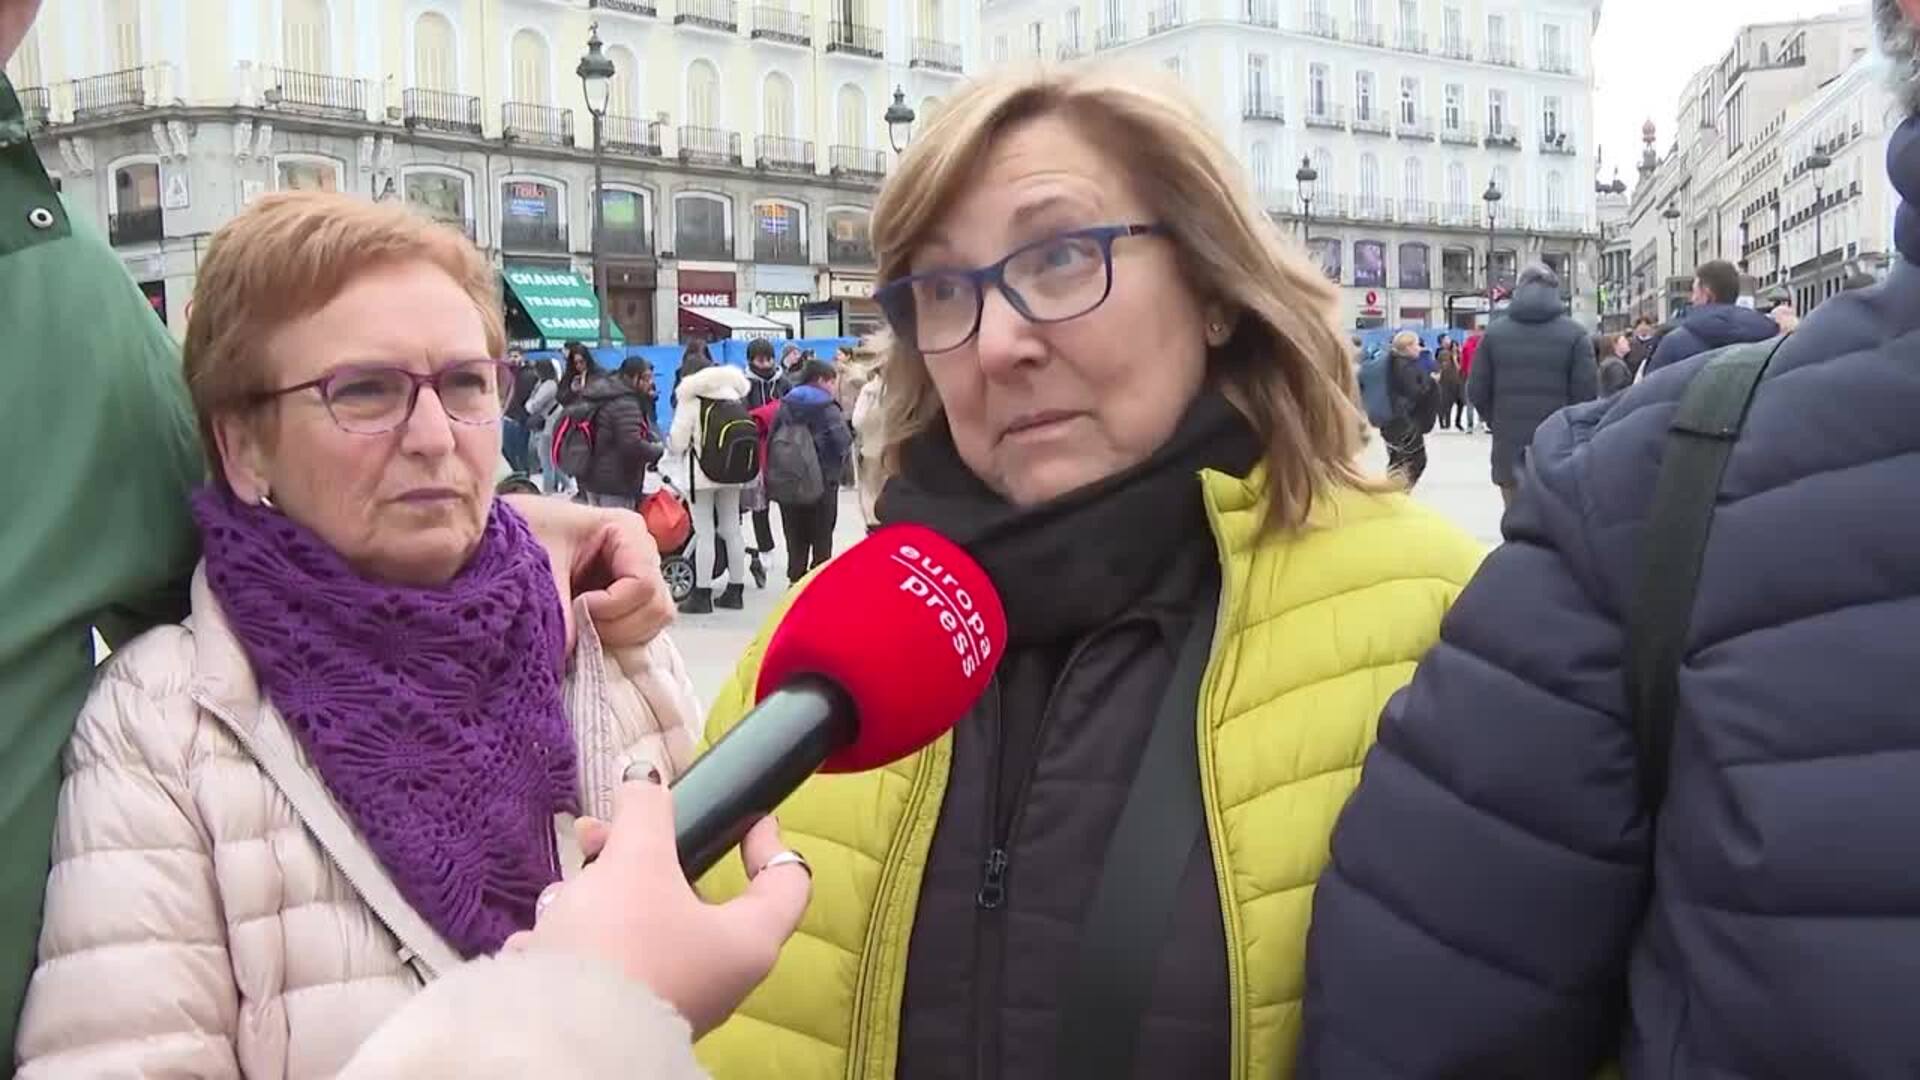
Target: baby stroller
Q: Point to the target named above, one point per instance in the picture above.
(670, 520)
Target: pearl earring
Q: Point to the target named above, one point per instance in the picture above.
(266, 501)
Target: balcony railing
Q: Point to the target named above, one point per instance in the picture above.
(1110, 35)
(721, 15)
(629, 241)
(1369, 208)
(1557, 64)
(855, 39)
(1327, 116)
(849, 252)
(312, 94)
(709, 146)
(521, 235)
(703, 245)
(1369, 34)
(436, 110)
(937, 55)
(785, 249)
(1503, 54)
(854, 162)
(1419, 127)
(109, 95)
(1261, 13)
(1069, 50)
(1456, 49)
(1558, 142)
(1503, 136)
(1371, 122)
(1259, 105)
(779, 24)
(36, 106)
(1320, 24)
(143, 226)
(633, 7)
(1414, 211)
(1164, 17)
(1410, 40)
(632, 135)
(777, 154)
(540, 124)
(1465, 133)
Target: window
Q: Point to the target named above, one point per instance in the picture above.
(1000, 48)
(853, 116)
(1257, 79)
(1409, 101)
(1496, 34)
(779, 232)
(533, 215)
(1552, 50)
(1317, 76)
(1370, 264)
(302, 173)
(703, 95)
(1549, 117)
(1416, 267)
(1262, 163)
(1456, 187)
(123, 34)
(433, 53)
(626, 221)
(441, 195)
(136, 187)
(1409, 17)
(303, 36)
(1362, 13)
(1453, 23)
(1070, 29)
(1456, 106)
(1415, 183)
(1116, 18)
(776, 106)
(1323, 167)
(1496, 111)
(621, 100)
(702, 226)
(1033, 37)
(932, 19)
(1509, 197)
(1369, 183)
(1363, 95)
(1326, 252)
(1556, 196)
(532, 72)
(847, 237)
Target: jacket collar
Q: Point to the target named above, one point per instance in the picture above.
(221, 674)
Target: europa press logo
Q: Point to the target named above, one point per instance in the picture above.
(928, 581)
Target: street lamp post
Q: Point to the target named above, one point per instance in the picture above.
(899, 117)
(596, 82)
(1743, 249)
(1306, 176)
(1672, 217)
(1817, 165)
(1492, 197)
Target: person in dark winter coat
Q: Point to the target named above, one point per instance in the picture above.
(1532, 363)
(625, 445)
(809, 529)
(1714, 320)
(1640, 345)
(1612, 351)
(1497, 890)
(766, 384)
(1453, 386)
(1408, 383)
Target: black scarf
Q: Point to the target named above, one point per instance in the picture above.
(1072, 564)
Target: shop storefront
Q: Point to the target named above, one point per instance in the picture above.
(547, 307)
(630, 288)
(848, 311)
(779, 292)
(709, 308)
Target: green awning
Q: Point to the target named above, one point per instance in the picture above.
(560, 304)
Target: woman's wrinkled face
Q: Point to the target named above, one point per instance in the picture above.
(405, 507)
(1037, 410)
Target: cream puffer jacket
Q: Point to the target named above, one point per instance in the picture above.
(211, 910)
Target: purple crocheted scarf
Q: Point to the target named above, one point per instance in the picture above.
(434, 716)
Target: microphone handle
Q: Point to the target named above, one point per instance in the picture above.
(754, 767)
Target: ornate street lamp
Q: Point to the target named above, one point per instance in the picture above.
(596, 82)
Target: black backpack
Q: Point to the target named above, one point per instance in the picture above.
(793, 464)
(574, 438)
(1700, 439)
(729, 442)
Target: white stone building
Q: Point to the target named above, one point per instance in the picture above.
(1405, 110)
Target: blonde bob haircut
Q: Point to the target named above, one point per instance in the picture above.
(287, 256)
(1287, 366)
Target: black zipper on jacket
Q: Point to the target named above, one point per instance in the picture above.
(1003, 819)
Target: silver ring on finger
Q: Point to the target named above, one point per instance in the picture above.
(784, 858)
(545, 900)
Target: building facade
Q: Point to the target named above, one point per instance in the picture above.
(1373, 129)
(743, 144)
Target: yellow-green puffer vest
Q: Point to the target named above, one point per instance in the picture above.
(1319, 626)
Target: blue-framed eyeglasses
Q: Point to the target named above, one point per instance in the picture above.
(1053, 280)
(375, 399)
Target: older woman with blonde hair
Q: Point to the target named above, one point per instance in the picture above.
(358, 763)
(1119, 388)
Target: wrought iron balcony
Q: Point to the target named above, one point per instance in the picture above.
(1410, 40)
(145, 225)
(1465, 133)
(542, 125)
(1069, 50)
(1503, 136)
(1164, 17)
(709, 146)
(113, 94)
(1418, 127)
(1557, 64)
(1110, 35)
(1503, 54)
(721, 15)
(855, 39)
(856, 163)
(645, 8)
(1454, 48)
(312, 94)
(776, 154)
(1258, 105)
(1371, 122)
(1333, 117)
(36, 106)
(779, 24)
(1322, 25)
(1261, 13)
(1558, 142)
(1369, 34)
(632, 135)
(437, 110)
(938, 55)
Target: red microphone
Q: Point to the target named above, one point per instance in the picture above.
(884, 650)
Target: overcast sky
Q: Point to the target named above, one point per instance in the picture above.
(1646, 50)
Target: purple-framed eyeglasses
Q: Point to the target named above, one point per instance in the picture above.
(373, 399)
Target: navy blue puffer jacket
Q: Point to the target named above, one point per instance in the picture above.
(1710, 326)
(1483, 913)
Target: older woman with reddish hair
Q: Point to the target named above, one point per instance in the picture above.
(359, 760)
